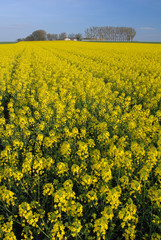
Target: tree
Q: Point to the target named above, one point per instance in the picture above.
(51, 37)
(29, 38)
(20, 39)
(131, 34)
(62, 36)
(39, 35)
(72, 36)
(78, 36)
(110, 33)
(87, 33)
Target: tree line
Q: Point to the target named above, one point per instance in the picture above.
(110, 33)
(92, 33)
(41, 35)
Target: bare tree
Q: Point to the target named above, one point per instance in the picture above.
(71, 36)
(49, 36)
(110, 33)
(62, 36)
(131, 34)
(87, 33)
(52, 37)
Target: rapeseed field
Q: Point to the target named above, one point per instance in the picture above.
(80, 141)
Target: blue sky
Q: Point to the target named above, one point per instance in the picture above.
(19, 18)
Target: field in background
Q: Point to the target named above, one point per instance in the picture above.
(80, 141)
(7, 42)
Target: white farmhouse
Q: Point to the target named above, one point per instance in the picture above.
(67, 39)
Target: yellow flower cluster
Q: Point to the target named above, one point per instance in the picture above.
(130, 218)
(80, 141)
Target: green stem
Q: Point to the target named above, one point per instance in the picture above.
(26, 190)
(43, 232)
(38, 188)
(5, 208)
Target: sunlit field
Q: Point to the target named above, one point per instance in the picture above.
(80, 141)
